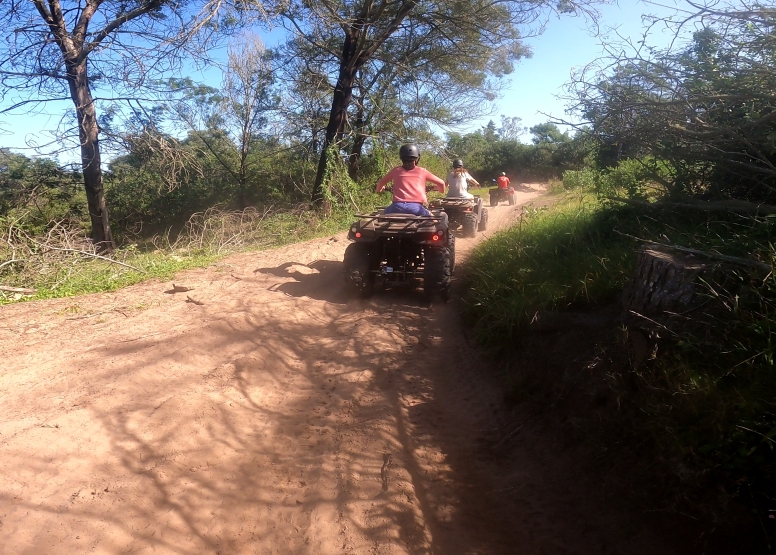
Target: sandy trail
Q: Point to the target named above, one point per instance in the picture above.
(275, 417)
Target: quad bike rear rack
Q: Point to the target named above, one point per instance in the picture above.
(455, 201)
(397, 224)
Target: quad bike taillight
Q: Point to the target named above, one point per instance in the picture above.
(358, 234)
(435, 237)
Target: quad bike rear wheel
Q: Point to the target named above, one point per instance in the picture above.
(437, 272)
(483, 220)
(451, 250)
(359, 280)
(511, 199)
(469, 224)
(493, 199)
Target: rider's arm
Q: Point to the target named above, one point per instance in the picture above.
(440, 184)
(470, 179)
(387, 178)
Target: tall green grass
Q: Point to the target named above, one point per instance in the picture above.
(554, 258)
(702, 406)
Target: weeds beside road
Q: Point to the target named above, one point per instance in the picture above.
(62, 262)
(689, 402)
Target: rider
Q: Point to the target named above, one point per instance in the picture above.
(409, 184)
(458, 181)
(503, 181)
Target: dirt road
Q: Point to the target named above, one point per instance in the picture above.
(262, 412)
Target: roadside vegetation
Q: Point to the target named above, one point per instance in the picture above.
(162, 227)
(699, 397)
(682, 395)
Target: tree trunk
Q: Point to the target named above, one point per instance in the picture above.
(339, 107)
(354, 160)
(343, 93)
(91, 164)
(242, 192)
(359, 137)
(663, 280)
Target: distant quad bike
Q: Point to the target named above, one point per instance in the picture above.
(497, 194)
(468, 214)
(400, 249)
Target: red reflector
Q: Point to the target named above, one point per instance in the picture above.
(435, 237)
(358, 234)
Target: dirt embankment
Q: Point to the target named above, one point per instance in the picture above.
(262, 412)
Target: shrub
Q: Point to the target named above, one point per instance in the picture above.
(585, 179)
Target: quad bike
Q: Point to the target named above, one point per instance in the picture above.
(498, 194)
(400, 249)
(467, 213)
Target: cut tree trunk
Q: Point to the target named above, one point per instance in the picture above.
(666, 281)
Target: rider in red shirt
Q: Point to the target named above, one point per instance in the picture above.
(503, 181)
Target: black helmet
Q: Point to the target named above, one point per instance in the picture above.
(458, 163)
(409, 152)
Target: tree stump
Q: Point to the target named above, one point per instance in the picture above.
(665, 280)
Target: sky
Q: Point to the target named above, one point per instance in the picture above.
(569, 44)
(534, 87)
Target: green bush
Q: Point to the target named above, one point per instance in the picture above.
(580, 179)
(639, 179)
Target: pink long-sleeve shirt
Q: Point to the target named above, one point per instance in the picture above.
(410, 185)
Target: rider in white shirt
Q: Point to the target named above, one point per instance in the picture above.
(458, 181)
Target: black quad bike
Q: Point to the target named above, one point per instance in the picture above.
(400, 249)
(497, 194)
(468, 214)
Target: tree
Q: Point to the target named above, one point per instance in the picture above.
(706, 107)
(464, 42)
(237, 113)
(35, 185)
(61, 49)
(511, 128)
(490, 133)
(304, 103)
(548, 133)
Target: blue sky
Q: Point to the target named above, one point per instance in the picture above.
(568, 43)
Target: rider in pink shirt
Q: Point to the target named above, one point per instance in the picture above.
(409, 184)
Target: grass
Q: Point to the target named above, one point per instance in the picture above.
(552, 259)
(702, 407)
(208, 237)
